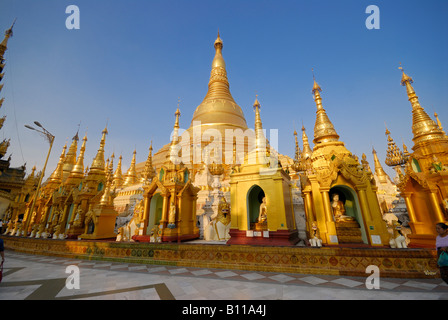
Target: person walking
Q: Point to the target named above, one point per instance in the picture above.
(442, 246)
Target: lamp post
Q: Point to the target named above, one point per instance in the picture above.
(50, 139)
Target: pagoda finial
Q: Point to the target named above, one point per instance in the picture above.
(118, 177)
(56, 176)
(381, 174)
(98, 163)
(394, 156)
(170, 156)
(307, 152)
(4, 43)
(423, 127)
(78, 169)
(149, 171)
(131, 175)
(258, 124)
(323, 129)
(298, 153)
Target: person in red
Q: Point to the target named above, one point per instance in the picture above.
(2, 250)
(442, 246)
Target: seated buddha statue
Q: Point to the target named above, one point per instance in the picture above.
(339, 210)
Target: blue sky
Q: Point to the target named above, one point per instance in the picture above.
(130, 61)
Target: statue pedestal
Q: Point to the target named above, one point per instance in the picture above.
(349, 232)
(74, 232)
(261, 226)
(263, 238)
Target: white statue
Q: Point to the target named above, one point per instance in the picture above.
(221, 221)
(397, 240)
(315, 241)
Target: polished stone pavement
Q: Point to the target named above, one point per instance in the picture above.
(31, 277)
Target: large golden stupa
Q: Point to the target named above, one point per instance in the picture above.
(218, 114)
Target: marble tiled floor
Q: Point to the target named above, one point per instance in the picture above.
(28, 277)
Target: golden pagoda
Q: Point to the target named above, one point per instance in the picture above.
(169, 200)
(339, 193)
(72, 194)
(217, 113)
(261, 201)
(424, 182)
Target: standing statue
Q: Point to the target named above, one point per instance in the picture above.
(339, 210)
(172, 216)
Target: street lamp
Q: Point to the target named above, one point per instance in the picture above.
(50, 139)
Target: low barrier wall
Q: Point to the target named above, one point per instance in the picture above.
(396, 263)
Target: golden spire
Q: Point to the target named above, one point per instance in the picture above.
(78, 169)
(2, 120)
(323, 129)
(307, 152)
(4, 43)
(298, 164)
(4, 145)
(423, 127)
(218, 106)
(439, 123)
(56, 176)
(131, 175)
(394, 156)
(218, 86)
(406, 153)
(258, 124)
(118, 177)
(111, 164)
(149, 171)
(260, 139)
(262, 150)
(106, 198)
(298, 153)
(70, 158)
(380, 173)
(172, 154)
(98, 164)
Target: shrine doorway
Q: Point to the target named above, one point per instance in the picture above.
(255, 197)
(155, 211)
